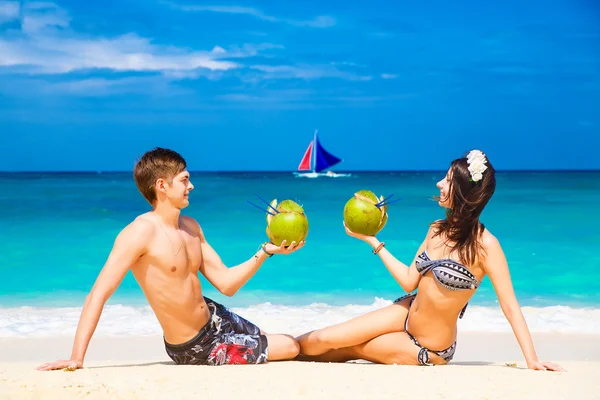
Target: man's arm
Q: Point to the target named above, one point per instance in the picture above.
(129, 245)
(228, 280)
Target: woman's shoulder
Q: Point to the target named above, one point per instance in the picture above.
(435, 227)
(436, 224)
(488, 240)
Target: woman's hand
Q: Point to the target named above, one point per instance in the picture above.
(545, 366)
(69, 365)
(359, 236)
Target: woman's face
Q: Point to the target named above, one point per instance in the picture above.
(444, 186)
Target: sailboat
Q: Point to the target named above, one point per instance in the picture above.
(317, 160)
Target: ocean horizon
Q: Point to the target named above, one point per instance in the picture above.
(220, 171)
(58, 228)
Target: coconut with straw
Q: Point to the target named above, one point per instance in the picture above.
(365, 213)
(285, 221)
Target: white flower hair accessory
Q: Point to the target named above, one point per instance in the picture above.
(476, 161)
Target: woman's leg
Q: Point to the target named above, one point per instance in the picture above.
(356, 331)
(391, 348)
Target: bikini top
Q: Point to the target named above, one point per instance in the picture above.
(450, 274)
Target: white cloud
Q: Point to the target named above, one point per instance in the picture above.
(147, 85)
(250, 49)
(321, 21)
(130, 52)
(46, 44)
(37, 16)
(307, 72)
(302, 98)
(269, 96)
(389, 76)
(94, 87)
(9, 11)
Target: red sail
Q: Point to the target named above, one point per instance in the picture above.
(305, 163)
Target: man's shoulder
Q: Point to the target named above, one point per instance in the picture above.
(190, 223)
(141, 226)
(144, 221)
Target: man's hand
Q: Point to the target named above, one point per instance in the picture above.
(61, 364)
(273, 249)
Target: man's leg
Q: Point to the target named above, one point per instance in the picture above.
(280, 346)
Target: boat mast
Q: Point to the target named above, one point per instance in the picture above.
(314, 150)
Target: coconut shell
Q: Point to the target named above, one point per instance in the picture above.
(289, 206)
(290, 224)
(361, 214)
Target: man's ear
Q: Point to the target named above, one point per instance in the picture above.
(160, 185)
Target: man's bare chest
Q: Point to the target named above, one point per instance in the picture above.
(182, 257)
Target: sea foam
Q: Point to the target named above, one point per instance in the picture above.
(121, 320)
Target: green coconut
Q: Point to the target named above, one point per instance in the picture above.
(290, 224)
(361, 214)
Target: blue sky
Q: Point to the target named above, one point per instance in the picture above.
(242, 85)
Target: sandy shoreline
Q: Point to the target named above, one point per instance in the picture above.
(138, 368)
(472, 347)
(299, 380)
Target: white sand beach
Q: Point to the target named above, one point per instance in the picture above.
(137, 368)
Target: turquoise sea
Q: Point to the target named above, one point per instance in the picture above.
(57, 229)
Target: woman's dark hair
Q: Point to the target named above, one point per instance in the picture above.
(468, 197)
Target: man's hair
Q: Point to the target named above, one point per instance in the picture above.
(155, 164)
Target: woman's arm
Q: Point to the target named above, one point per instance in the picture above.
(407, 276)
(496, 267)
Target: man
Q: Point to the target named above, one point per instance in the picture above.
(165, 251)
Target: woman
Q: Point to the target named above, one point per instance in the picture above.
(449, 265)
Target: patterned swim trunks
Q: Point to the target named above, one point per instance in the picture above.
(227, 338)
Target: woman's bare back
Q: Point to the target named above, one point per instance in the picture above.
(436, 309)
